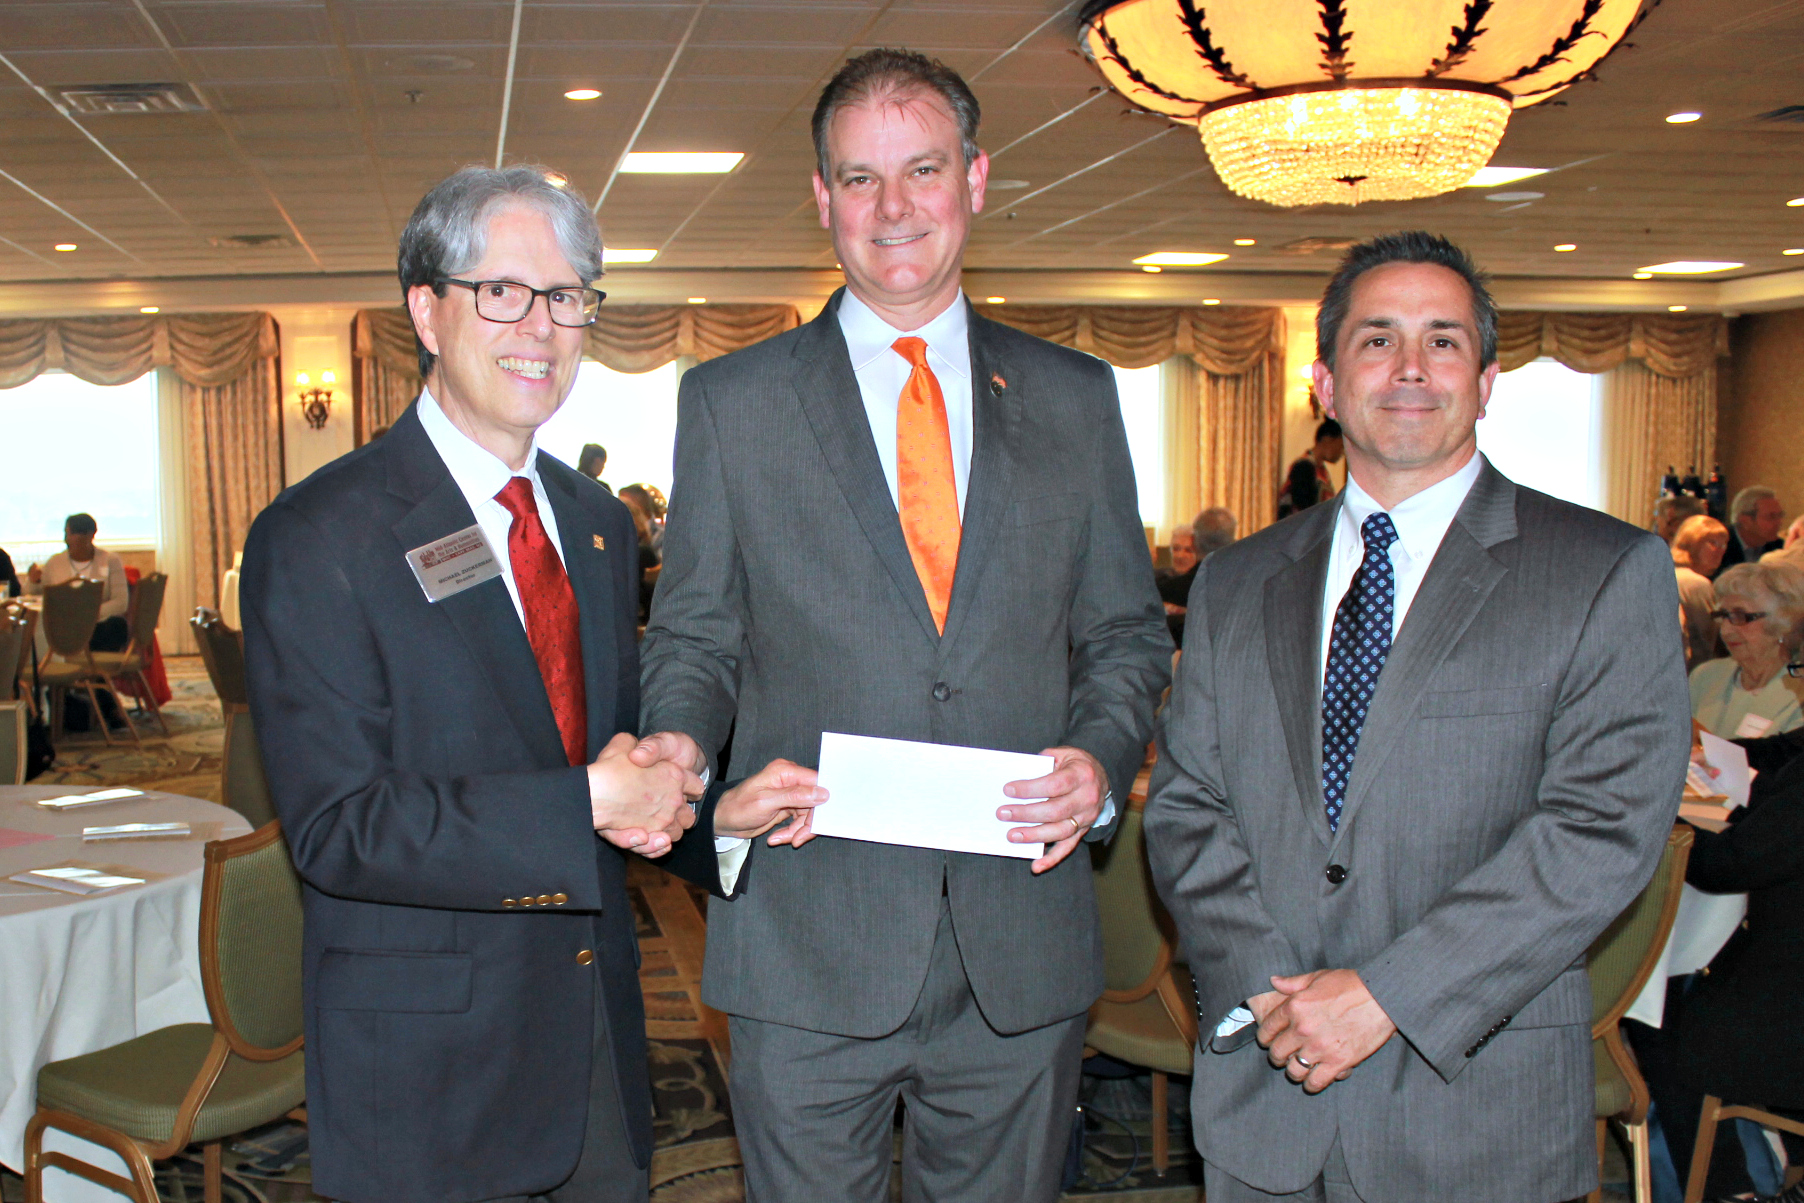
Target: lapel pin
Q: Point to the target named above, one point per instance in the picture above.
(601, 544)
(997, 384)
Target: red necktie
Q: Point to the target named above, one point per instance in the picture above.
(926, 490)
(552, 622)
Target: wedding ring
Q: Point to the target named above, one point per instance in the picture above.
(1074, 824)
(1305, 1064)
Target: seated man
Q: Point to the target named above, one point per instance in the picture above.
(83, 559)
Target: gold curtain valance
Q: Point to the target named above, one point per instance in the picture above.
(1225, 340)
(207, 350)
(1670, 344)
(625, 338)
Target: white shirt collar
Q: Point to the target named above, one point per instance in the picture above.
(479, 473)
(869, 336)
(1422, 519)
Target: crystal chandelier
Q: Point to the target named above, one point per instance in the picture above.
(1308, 102)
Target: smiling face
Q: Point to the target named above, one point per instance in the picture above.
(899, 203)
(1406, 386)
(500, 381)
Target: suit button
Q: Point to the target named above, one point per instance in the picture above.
(526, 900)
(584, 957)
(507, 902)
(544, 900)
(560, 899)
(942, 692)
(1336, 874)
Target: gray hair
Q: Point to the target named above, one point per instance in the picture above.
(1748, 500)
(1213, 530)
(1686, 504)
(448, 232)
(1407, 246)
(881, 73)
(1781, 586)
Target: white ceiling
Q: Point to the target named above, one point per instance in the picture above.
(309, 133)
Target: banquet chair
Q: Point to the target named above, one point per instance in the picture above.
(149, 1098)
(13, 719)
(71, 611)
(1620, 962)
(147, 611)
(242, 784)
(15, 630)
(23, 669)
(1713, 1114)
(1147, 1013)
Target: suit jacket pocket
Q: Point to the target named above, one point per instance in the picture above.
(351, 979)
(1464, 703)
(1048, 507)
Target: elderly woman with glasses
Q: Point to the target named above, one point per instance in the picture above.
(1759, 610)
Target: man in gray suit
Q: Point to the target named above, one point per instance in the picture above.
(903, 520)
(1425, 743)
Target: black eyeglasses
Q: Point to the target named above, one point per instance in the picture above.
(1738, 618)
(506, 301)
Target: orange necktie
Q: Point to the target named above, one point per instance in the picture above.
(925, 488)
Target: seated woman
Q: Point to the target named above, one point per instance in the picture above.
(1758, 611)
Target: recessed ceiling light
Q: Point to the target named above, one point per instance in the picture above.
(614, 254)
(1211, 300)
(65, 246)
(1179, 259)
(557, 179)
(1685, 118)
(1506, 197)
(1796, 250)
(1796, 202)
(1496, 177)
(697, 300)
(1006, 185)
(1644, 275)
(1677, 308)
(1567, 246)
(1246, 242)
(149, 309)
(1691, 267)
(1150, 269)
(583, 94)
(681, 162)
(994, 300)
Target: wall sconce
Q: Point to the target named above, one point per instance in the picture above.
(316, 403)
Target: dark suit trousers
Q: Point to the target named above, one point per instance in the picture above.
(987, 1116)
(605, 1172)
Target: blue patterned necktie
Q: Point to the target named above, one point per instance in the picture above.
(1356, 652)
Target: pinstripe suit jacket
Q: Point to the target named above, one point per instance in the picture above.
(1518, 770)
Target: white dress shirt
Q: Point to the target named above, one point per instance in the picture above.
(104, 567)
(1421, 522)
(479, 475)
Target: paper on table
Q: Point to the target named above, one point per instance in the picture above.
(78, 879)
(137, 831)
(71, 801)
(1731, 764)
(896, 791)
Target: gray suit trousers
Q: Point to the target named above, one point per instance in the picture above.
(986, 1116)
(1334, 1186)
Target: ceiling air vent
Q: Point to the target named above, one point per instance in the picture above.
(251, 242)
(1309, 246)
(100, 99)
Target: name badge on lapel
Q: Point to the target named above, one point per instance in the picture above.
(454, 563)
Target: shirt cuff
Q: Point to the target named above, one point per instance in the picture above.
(1106, 815)
(1234, 1031)
(730, 854)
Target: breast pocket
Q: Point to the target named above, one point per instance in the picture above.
(1048, 507)
(1466, 703)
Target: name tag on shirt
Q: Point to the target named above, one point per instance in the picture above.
(454, 563)
(1752, 727)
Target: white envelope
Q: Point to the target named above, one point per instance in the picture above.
(896, 791)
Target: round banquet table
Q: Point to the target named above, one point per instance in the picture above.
(79, 974)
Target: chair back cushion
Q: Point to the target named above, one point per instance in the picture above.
(71, 611)
(14, 630)
(147, 610)
(1622, 957)
(251, 942)
(13, 717)
(1134, 924)
(222, 651)
(243, 786)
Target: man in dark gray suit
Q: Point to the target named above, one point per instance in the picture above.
(1426, 742)
(905, 521)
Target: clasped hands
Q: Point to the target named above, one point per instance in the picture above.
(642, 794)
(1318, 1026)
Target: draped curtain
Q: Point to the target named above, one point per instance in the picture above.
(1659, 389)
(230, 411)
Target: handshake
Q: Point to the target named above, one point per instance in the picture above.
(642, 795)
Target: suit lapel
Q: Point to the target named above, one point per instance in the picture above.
(586, 564)
(829, 394)
(996, 409)
(1293, 640)
(1461, 577)
(484, 616)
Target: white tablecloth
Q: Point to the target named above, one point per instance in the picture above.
(1702, 926)
(81, 974)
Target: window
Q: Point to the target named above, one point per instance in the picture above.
(1142, 412)
(1543, 429)
(78, 447)
(633, 415)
